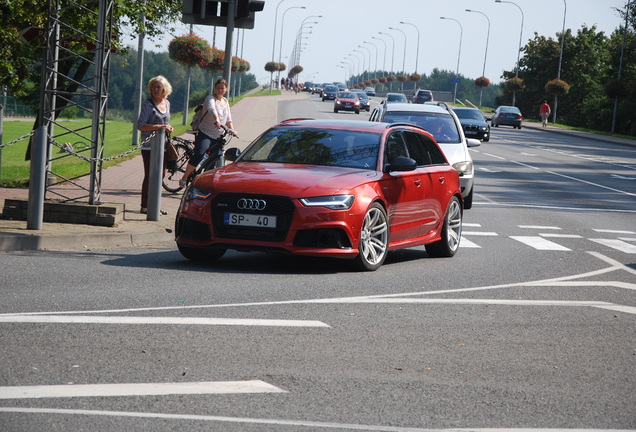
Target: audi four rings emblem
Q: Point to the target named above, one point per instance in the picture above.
(251, 204)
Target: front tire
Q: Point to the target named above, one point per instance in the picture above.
(374, 239)
(451, 232)
(468, 201)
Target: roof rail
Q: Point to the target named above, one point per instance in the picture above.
(405, 124)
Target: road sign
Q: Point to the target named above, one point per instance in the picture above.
(457, 80)
(30, 34)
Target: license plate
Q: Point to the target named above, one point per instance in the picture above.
(251, 220)
(470, 132)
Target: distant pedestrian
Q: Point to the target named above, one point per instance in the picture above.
(544, 112)
(154, 115)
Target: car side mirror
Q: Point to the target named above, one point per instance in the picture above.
(401, 163)
(232, 154)
(472, 142)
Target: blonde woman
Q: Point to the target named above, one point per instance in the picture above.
(218, 113)
(154, 115)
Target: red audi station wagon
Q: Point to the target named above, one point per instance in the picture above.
(331, 188)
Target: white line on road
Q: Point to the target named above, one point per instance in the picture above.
(137, 389)
(91, 319)
(539, 243)
(465, 243)
(298, 423)
(480, 233)
(539, 227)
(617, 244)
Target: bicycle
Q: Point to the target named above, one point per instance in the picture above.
(185, 150)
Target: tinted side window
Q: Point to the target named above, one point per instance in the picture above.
(395, 147)
(417, 148)
(435, 153)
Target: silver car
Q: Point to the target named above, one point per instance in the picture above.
(444, 125)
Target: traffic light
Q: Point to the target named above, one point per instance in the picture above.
(208, 12)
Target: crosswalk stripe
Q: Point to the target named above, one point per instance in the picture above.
(539, 243)
(617, 244)
(137, 389)
(465, 243)
(551, 235)
(88, 319)
(480, 233)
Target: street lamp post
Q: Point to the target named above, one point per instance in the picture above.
(282, 23)
(274, 39)
(417, 52)
(404, 57)
(459, 53)
(514, 92)
(376, 57)
(364, 68)
(384, 61)
(392, 55)
(481, 90)
(369, 68)
(556, 97)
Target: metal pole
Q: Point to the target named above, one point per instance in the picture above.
(481, 89)
(417, 52)
(37, 179)
(140, 79)
(514, 92)
(404, 56)
(556, 97)
(459, 53)
(156, 174)
(229, 34)
(186, 100)
(620, 67)
(274, 43)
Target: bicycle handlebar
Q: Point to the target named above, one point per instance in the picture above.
(229, 131)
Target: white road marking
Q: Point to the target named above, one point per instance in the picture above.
(297, 423)
(539, 243)
(91, 319)
(617, 244)
(465, 243)
(610, 231)
(137, 389)
(471, 225)
(552, 235)
(480, 233)
(539, 227)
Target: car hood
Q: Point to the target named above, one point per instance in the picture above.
(470, 122)
(291, 180)
(456, 152)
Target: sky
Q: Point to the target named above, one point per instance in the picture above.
(342, 26)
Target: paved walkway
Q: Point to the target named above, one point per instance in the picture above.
(122, 184)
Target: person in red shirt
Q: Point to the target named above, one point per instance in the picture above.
(544, 112)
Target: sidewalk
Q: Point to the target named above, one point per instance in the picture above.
(122, 184)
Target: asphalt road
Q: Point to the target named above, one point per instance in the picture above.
(531, 325)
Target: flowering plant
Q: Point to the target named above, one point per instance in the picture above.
(482, 82)
(515, 83)
(375, 81)
(190, 50)
(382, 80)
(557, 87)
(216, 62)
(415, 77)
(391, 78)
(244, 66)
(402, 78)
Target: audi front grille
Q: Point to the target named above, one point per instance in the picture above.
(267, 205)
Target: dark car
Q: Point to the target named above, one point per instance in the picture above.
(365, 102)
(474, 123)
(346, 101)
(395, 97)
(326, 188)
(329, 92)
(422, 96)
(369, 91)
(507, 116)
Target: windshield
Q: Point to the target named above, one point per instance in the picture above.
(469, 114)
(342, 148)
(440, 125)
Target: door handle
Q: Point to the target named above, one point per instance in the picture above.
(441, 179)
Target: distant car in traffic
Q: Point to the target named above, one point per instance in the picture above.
(326, 188)
(422, 96)
(346, 101)
(329, 92)
(365, 102)
(507, 116)
(395, 97)
(370, 91)
(473, 122)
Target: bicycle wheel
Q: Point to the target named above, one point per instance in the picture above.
(171, 180)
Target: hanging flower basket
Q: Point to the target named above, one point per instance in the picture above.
(375, 81)
(271, 66)
(515, 84)
(482, 82)
(216, 62)
(295, 70)
(391, 78)
(244, 66)
(190, 50)
(383, 80)
(281, 66)
(415, 77)
(617, 89)
(557, 87)
(368, 83)
(402, 78)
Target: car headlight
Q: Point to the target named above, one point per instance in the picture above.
(334, 202)
(483, 128)
(193, 193)
(464, 167)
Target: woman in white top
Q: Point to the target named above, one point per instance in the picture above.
(218, 113)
